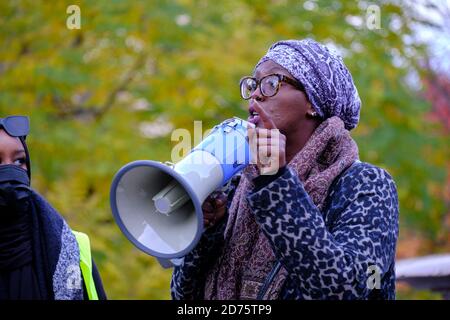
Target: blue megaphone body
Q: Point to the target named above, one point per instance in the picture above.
(158, 205)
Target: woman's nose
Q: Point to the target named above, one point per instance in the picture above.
(257, 95)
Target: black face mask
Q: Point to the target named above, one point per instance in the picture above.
(14, 190)
(16, 249)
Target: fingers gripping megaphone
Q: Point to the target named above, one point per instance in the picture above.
(158, 206)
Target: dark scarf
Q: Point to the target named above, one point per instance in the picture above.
(39, 256)
(248, 256)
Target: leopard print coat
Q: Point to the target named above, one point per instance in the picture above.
(345, 251)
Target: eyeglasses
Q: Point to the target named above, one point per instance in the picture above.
(16, 126)
(268, 85)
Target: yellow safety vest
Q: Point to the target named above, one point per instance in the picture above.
(86, 264)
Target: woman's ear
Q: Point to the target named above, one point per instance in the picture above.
(310, 112)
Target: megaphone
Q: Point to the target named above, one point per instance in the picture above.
(158, 206)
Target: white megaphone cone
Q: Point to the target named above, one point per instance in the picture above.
(159, 206)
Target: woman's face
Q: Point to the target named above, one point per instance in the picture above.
(11, 150)
(288, 107)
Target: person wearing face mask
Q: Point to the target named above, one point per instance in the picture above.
(41, 258)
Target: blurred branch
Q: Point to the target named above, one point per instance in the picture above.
(67, 109)
(443, 10)
(128, 77)
(24, 50)
(425, 12)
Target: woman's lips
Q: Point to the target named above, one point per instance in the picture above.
(253, 115)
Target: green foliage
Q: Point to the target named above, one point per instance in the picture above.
(89, 91)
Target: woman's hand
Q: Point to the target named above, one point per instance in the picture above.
(267, 144)
(214, 208)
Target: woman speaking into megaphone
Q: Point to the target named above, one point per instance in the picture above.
(268, 146)
(263, 143)
(308, 220)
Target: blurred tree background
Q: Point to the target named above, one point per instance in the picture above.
(113, 91)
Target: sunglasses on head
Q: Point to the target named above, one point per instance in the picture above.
(16, 126)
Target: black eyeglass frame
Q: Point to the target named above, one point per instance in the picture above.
(281, 78)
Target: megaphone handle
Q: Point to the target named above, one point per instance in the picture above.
(213, 218)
